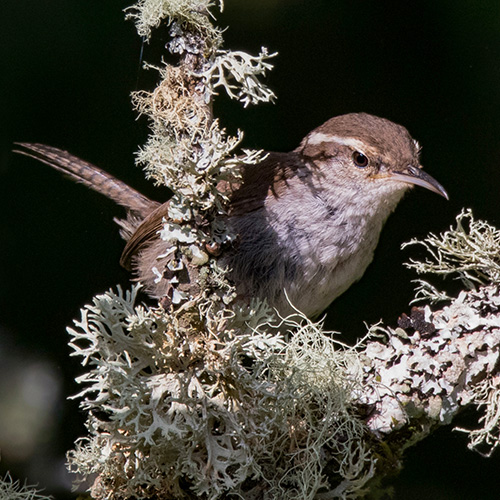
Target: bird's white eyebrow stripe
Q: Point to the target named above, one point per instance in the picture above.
(319, 137)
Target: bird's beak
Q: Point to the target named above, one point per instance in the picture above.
(415, 175)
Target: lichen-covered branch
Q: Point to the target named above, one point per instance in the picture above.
(436, 366)
(187, 150)
(200, 397)
(437, 363)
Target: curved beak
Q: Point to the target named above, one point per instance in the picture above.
(415, 175)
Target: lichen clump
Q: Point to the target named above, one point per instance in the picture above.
(179, 414)
(468, 252)
(14, 490)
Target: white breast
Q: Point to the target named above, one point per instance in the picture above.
(330, 242)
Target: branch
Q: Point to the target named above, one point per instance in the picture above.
(424, 374)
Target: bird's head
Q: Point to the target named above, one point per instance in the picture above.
(365, 153)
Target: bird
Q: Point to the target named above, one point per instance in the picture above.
(307, 221)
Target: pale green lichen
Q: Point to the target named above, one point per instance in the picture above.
(238, 74)
(173, 414)
(486, 439)
(149, 14)
(14, 490)
(468, 251)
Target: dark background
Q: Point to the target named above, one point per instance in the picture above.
(68, 67)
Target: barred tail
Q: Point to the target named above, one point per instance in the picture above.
(91, 176)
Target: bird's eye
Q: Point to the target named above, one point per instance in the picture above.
(360, 160)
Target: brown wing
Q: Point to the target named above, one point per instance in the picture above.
(144, 234)
(269, 176)
(266, 179)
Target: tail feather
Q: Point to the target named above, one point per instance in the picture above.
(91, 176)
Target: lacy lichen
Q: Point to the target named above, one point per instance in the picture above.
(469, 251)
(244, 70)
(14, 490)
(175, 413)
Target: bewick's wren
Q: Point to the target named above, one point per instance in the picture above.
(308, 221)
